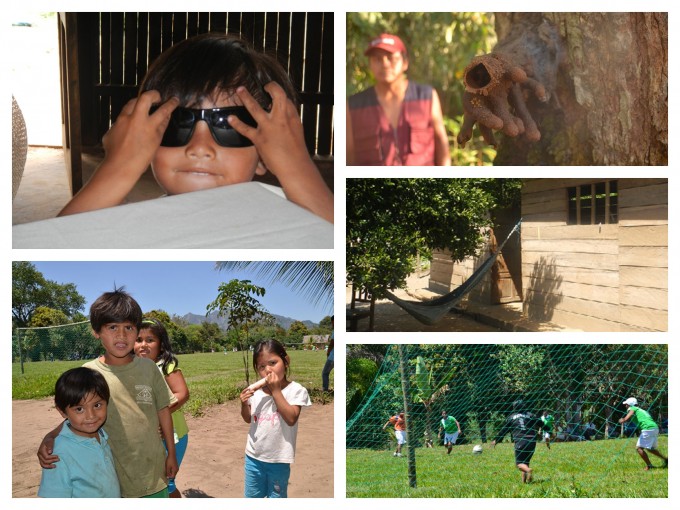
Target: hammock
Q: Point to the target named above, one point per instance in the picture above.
(429, 312)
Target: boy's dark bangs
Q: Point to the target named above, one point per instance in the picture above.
(200, 70)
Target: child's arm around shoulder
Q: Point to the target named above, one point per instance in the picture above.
(280, 143)
(45, 456)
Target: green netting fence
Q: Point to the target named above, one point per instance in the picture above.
(67, 342)
(582, 386)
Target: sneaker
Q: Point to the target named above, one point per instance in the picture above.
(395, 454)
(398, 454)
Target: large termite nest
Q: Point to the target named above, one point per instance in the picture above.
(502, 86)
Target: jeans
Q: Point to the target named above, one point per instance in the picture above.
(325, 374)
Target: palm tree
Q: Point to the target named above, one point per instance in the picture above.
(309, 278)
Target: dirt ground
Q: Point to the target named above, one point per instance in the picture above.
(388, 316)
(213, 464)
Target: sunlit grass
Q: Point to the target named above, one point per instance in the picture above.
(212, 378)
(605, 468)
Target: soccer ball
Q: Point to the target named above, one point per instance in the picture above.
(477, 450)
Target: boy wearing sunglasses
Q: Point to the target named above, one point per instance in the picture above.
(211, 112)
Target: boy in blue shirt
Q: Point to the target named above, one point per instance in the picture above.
(81, 396)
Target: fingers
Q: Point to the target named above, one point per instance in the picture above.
(251, 104)
(242, 128)
(278, 95)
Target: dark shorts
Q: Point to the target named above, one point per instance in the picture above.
(524, 450)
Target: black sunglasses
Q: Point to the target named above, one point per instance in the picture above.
(183, 121)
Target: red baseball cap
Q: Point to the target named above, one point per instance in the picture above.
(387, 42)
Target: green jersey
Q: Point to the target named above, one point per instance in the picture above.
(449, 425)
(643, 419)
(548, 422)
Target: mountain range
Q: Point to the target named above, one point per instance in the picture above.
(222, 322)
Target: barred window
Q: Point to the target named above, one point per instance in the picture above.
(593, 204)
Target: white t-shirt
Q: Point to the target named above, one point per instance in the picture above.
(270, 439)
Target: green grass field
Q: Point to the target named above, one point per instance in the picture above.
(212, 378)
(597, 469)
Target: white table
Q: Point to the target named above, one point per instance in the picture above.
(249, 215)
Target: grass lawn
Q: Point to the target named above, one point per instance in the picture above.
(597, 469)
(212, 378)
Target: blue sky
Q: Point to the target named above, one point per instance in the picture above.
(176, 287)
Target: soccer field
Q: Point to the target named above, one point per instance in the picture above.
(597, 469)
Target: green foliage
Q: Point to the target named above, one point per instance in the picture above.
(45, 316)
(178, 336)
(326, 324)
(296, 331)
(212, 378)
(568, 470)
(360, 375)
(58, 342)
(390, 222)
(440, 46)
(575, 382)
(30, 290)
(235, 300)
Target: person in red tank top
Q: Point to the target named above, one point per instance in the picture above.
(395, 122)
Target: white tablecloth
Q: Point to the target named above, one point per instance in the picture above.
(249, 215)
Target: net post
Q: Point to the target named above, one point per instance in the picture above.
(405, 386)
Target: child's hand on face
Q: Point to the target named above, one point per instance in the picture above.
(274, 382)
(134, 138)
(278, 137)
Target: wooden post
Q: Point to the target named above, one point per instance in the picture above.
(403, 363)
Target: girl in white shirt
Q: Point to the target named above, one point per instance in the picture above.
(272, 412)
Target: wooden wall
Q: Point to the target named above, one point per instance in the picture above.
(115, 50)
(596, 277)
(445, 275)
(588, 277)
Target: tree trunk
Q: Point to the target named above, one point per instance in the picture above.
(609, 105)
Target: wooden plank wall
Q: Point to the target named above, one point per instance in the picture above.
(596, 277)
(445, 275)
(117, 48)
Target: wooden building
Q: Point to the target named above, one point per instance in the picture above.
(593, 255)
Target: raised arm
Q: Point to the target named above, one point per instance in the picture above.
(280, 143)
(129, 147)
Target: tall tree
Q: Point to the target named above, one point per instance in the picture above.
(390, 222)
(236, 300)
(296, 331)
(30, 290)
(609, 101)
